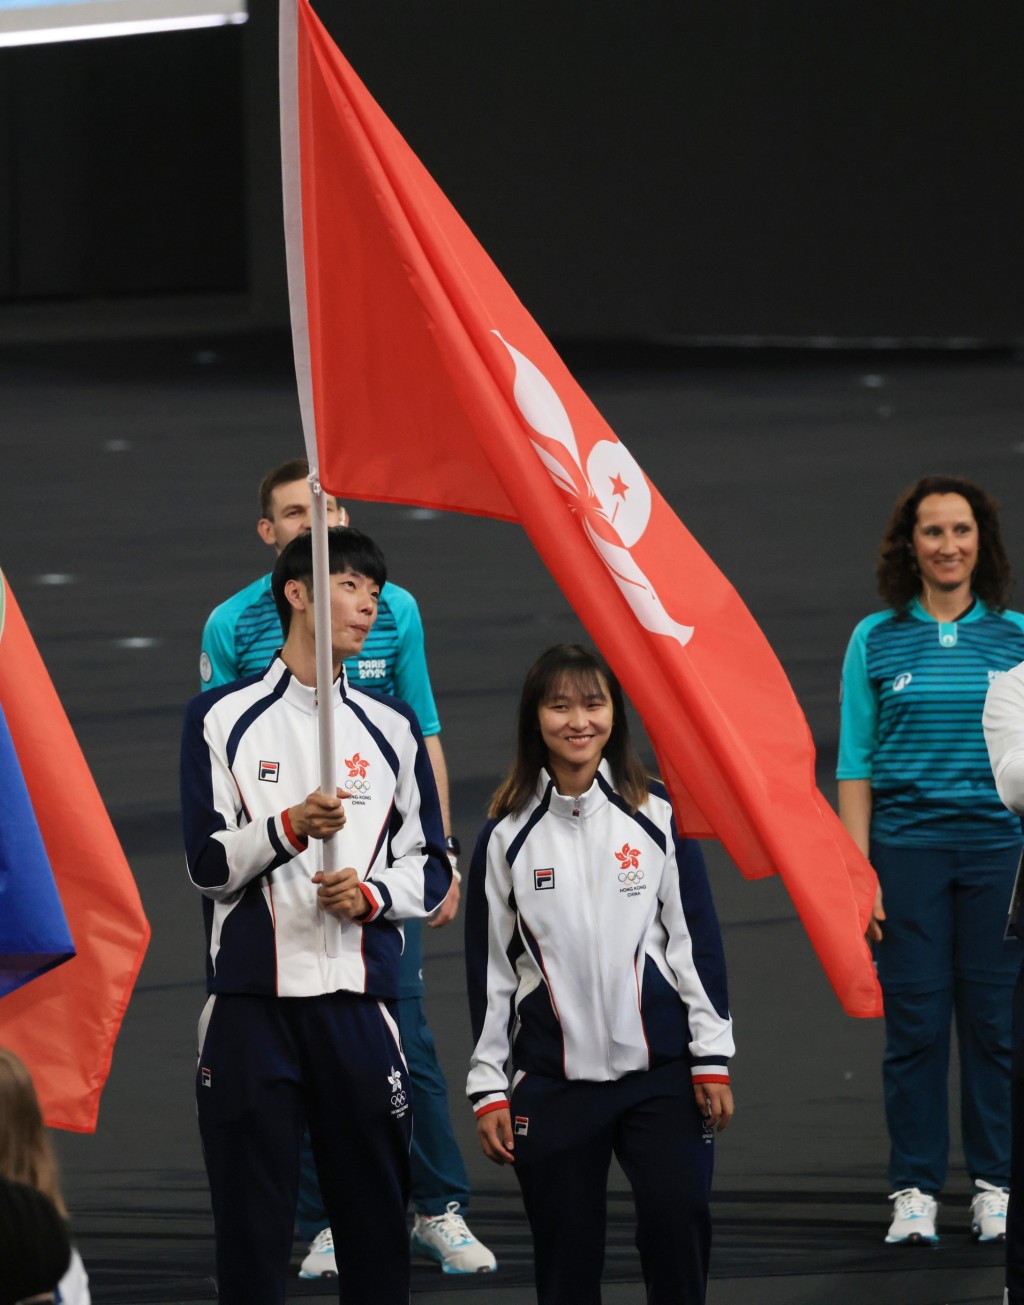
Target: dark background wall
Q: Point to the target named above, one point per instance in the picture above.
(677, 170)
(123, 172)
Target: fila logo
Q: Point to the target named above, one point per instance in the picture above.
(901, 681)
(544, 878)
(522, 1125)
(207, 1077)
(269, 771)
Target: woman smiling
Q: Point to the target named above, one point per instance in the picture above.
(917, 794)
(597, 992)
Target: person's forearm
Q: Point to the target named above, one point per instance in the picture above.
(437, 764)
(855, 813)
(855, 810)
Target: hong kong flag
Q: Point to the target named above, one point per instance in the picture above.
(424, 380)
(63, 1024)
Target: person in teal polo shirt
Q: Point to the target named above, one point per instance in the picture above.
(917, 795)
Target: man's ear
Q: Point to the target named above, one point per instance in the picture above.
(265, 530)
(297, 595)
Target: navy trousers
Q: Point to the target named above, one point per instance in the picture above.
(267, 1065)
(1015, 1214)
(436, 1165)
(565, 1136)
(438, 1170)
(943, 957)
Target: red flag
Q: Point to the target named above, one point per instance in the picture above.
(429, 383)
(63, 1025)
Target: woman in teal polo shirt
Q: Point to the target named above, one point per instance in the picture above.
(916, 793)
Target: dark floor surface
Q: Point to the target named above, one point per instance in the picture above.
(129, 472)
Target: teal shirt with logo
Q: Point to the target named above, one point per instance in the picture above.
(913, 691)
(243, 634)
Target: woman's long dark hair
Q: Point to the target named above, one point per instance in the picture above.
(568, 665)
(896, 571)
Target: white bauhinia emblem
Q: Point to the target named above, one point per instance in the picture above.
(399, 1097)
(613, 488)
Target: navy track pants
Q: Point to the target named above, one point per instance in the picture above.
(942, 959)
(437, 1168)
(565, 1135)
(1015, 1215)
(267, 1065)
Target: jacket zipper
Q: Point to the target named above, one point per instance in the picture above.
(590, 900)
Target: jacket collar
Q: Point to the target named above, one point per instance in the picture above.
(298, 695)
(573, 808)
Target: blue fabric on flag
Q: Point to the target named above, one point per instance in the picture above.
(34, 934)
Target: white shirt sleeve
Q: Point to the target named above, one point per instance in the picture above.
(1003, 722)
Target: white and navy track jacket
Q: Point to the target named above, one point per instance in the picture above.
(592, 945)
(249, 752)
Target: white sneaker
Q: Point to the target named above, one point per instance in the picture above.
(445, 1238)
(913, 1218)
(320, 1261)
(988, 1213)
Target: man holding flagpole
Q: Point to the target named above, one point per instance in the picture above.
(241, 637)
(302, 963)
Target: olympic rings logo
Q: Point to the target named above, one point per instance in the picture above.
(398, 1099)
(358, 785)
(631, 876)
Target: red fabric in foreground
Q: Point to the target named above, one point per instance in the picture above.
(64, 1024)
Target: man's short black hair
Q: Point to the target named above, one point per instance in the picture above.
(348, 549)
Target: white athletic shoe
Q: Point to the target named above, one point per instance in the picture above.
(913, 1218)
(988, 1212)
(320, 1261)
(446, 1239)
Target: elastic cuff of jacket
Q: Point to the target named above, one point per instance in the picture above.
(300, 844)
(486, 1110)
(375, 906)
(711, 1078)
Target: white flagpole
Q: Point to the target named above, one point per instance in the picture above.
(291, 185)
(291, 189)
(324, 658)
